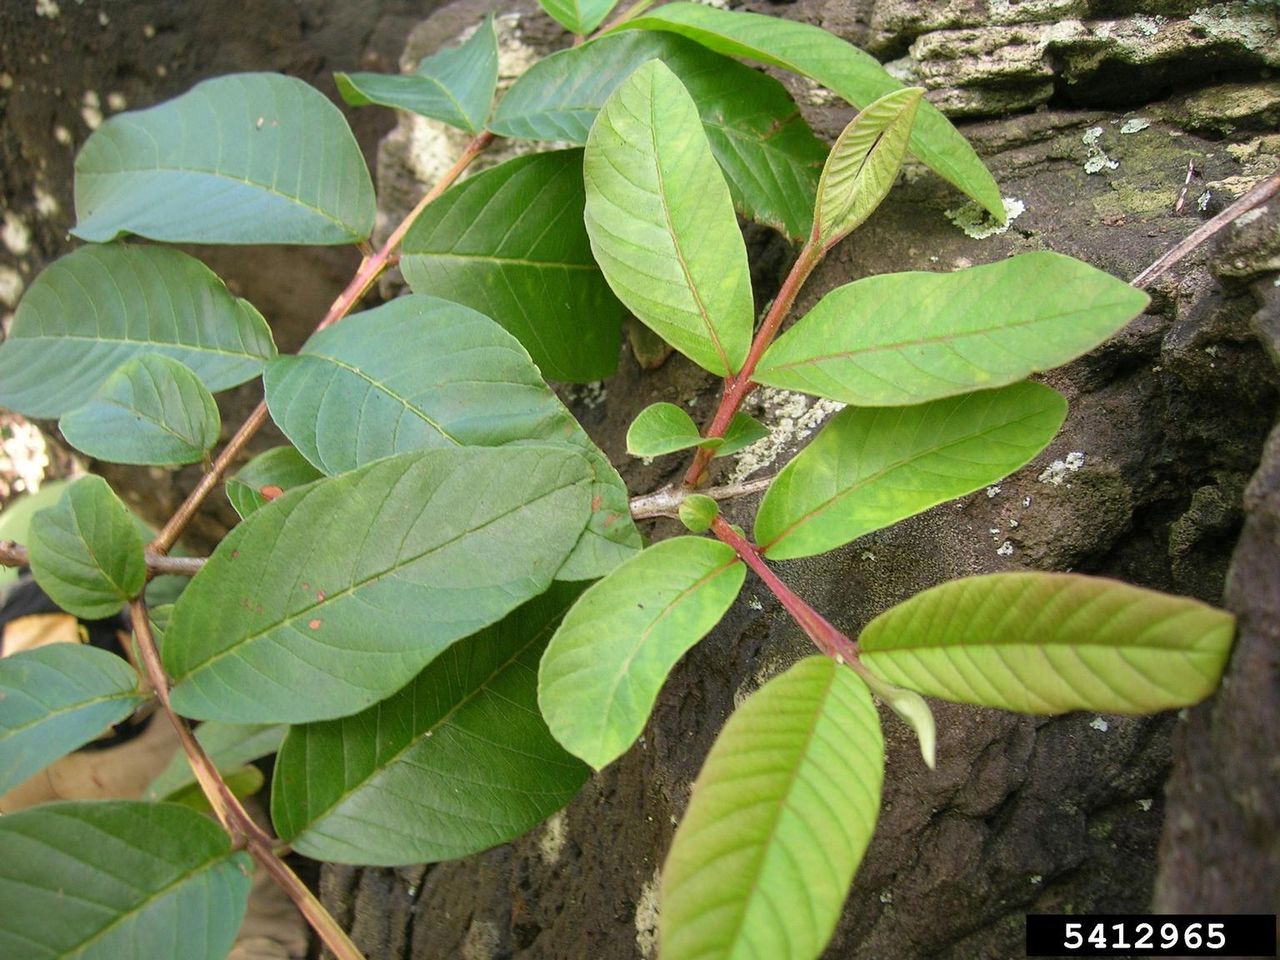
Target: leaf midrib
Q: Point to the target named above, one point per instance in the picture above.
(10, 731)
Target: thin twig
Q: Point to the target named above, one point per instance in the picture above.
(370, 269)
(16, 555)
(1256, 197)
(666, 502)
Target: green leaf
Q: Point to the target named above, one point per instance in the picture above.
(914, 711)
(698, 512)
(578, 16)
(229, 745)
(100, 306)
(457, 762)
(743, 431)
(661, 222)
(864, 163)
(780, 816)
(86, 551)
(769, 155)
(151, 410)
(455, 86)
(423, 373)
(118, 880)
(664, 428)
(57, 698)
(1051, 642)
(909, 337)
(275, 471)
(246, 158)
(605, 665)
(870, 468)
(839, 66)
(343, 590)
(510, 243)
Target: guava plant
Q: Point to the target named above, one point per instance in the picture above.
(437, 607)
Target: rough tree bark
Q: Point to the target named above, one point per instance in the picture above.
(1022, 814)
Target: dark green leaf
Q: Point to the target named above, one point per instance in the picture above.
(118, 880)
(578, 16)
(343, 590)
(457, 762)
(246, 158)
(605, 665)
(664, 428)
(909, 337)
(779, 819)
(275, 471)
(86, 551)
(510, 243)
(455, 85)
(661, 222)
(151, 410)
(871, 467)
(769, 155)
(839, 66)
(100, 306)
(56, 698)
(743, 431)
(1051, 642)
(864, 163)
(229, 746)
(423, 373)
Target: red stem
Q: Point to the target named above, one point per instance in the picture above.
(820, 630)
(737, 388)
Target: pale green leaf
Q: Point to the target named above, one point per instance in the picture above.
(768, 154)
(840, 67)
(664, 428)
(864, 163)
(152, 410)
(246, 158)
(914, 711)
(458, 761)
(578, 16)
(661, 221)
(510, 243)
(243, 781)
(697, 512)
(229, 746)
(343, 590)
(118, 880)
(605, 665)
(904, 338)
(455, 86)
(780, 817)
(100, 306)
(56, 698)
(1050, 642)
(870, 468)
(422, 373)
(86, 551)
(275, 471)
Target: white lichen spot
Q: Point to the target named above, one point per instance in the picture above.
(1148, 26)
(148, 30)
(162, 70)
(91, 110)
(1005, 549)
(1036, 879)
(754, 603)
(993, 491)
(6, 81)
(482, 941)
(103, 18)
(555, 834)
(48, 8)
(46, 203)
(995, 533)
(15, 234)
(886, 897)
(1202, 201)
(116, 101)
(11, 286)
(1096, 160)
(868, 556)
(1099, 724)
(62, 135)
(647, 917)
(1145, 804)
(1134, 125)
(976, 222)
(815, 94)
(1026, 502)
(794, 417)
(1091, 136)
(1058, 471)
